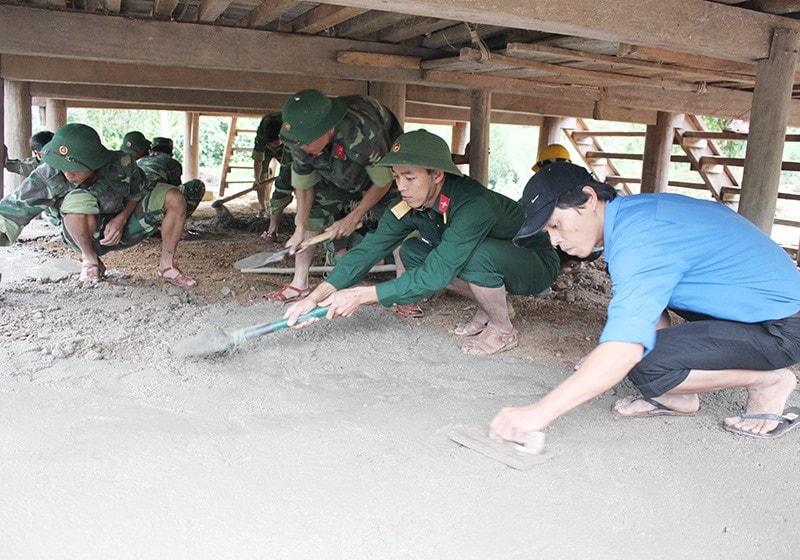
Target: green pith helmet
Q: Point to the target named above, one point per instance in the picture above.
(309, 114)
(134, 141)
(420, 148)
(74, 148)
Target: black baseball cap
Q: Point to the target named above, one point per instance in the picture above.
(542, 193)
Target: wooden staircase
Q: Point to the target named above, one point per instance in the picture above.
(231, 148)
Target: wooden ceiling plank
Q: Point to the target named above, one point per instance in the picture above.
(379, 60)
(456, 36)
(162, 9)
(414, 27)
(210, 10)
(367, 24)
(266, 12)
(324, 17)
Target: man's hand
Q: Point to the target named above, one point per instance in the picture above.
(344, 227)
(346, 302)
(112, 233)
(299, 308)
(513, 423)
(294, 241)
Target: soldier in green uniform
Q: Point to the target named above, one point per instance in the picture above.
(135, 144)
(464, 244)
(335, 143)
(100, 199)
(25, 166)
(160, 167)
(268, 146)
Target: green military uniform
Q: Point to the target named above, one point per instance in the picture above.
(281, 195)
(23, 166)
(345, 169)
(467, 234)
(159, 167)
(118, 181)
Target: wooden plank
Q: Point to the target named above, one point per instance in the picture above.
(380, 60)
(699, 27)
(618, 133)
(680, 57)
(524, 49)
(113, 6)
(368, 23)
(210, 10)
(657, 151)
(266, 12)
(511, 85)
(324, 17)
(414, 27)
(480, 121)
(162, 9)
(740, 162)
(567, 74)
(454, 37)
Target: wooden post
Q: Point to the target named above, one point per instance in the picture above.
(480, 119)
(550, 132)
(3, 134)
(55, 114)
(191, 146)
(17, 125)
(657, 151)
(458, 141)
(391, 95)
(768, 118)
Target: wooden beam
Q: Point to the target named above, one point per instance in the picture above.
(657, 150)
(324, 17)
(59, 70)
(699, 27)
(368, 23)
(17, 103)
(210, 10)
(162, 9)
(267, 11)
(28, 31)
(379, 60)
(414, 27)
(453, 37)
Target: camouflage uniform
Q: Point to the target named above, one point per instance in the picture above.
(282, 190)
(344, 170)
(23, 166)
(120, 180)
(159, 167)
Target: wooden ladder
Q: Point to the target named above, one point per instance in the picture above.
(230, 149)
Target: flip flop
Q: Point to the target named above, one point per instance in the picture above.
(658, 410)
(787, 421)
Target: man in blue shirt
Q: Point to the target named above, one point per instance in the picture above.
(738, 290)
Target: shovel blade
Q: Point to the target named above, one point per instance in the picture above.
(260, 259)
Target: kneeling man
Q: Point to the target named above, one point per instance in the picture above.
(464, 244)
(738, 290)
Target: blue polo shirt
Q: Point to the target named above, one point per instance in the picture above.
(668, 250)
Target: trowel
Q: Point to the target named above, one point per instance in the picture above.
(515, 455)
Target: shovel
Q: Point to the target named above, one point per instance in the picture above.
(217, 340)
(266, 257)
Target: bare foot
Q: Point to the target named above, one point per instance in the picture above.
(672, 404)
(767, 397)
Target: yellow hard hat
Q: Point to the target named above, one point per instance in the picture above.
(551, 154)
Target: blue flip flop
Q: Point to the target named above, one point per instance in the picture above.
(787, 421)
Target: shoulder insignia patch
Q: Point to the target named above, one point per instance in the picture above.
(401, 209)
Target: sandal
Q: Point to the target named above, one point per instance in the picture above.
(176, 276)
(491, 342)
(262, 213)
(287, 294)
(92, 272)
(408, 311)
(476, 327)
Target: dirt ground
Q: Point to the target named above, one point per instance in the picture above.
(332, 442)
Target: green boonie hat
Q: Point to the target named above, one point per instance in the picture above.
(309, 114)
(420, 148)
(134, 141)
(74, 148)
